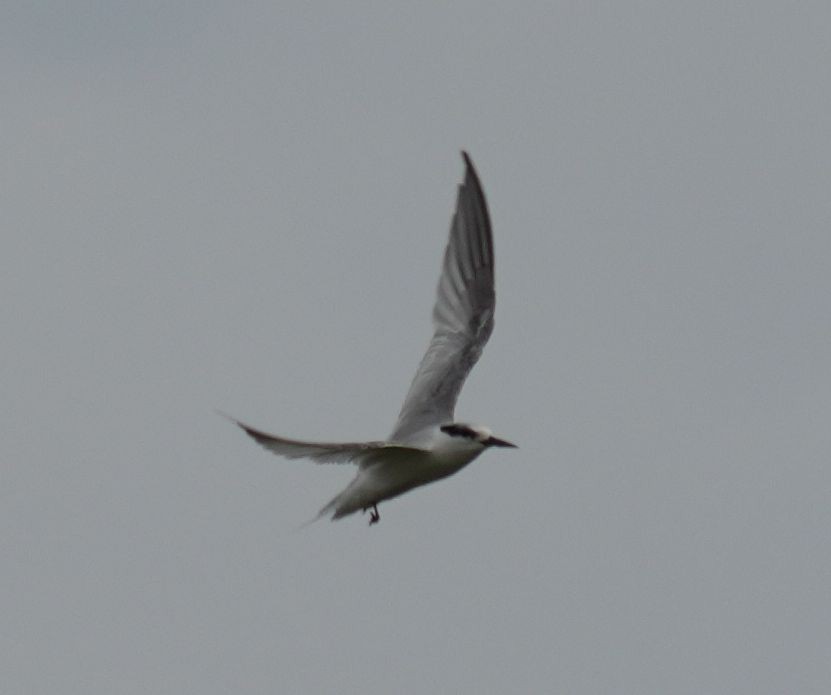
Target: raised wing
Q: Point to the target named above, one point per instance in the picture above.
(361, 453)
(462, 316)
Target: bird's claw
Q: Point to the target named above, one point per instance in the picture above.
(374, 516)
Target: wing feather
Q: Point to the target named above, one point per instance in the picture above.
(361, 453)
(462, 315)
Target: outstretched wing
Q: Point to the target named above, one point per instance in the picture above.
(361, 453)
(462, 316)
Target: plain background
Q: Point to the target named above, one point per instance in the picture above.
(243, 206)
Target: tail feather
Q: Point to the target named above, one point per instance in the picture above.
(329, 508)
(351, 499)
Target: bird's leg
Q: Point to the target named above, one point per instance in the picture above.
(374, 516)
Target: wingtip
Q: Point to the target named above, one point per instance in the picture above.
(470, 169)
(250, 431)
(222, 413)
(230, 418)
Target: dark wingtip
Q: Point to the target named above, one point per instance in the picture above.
(230, 418)
(472, 174)
(250, 431)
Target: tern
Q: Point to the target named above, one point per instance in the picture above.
(426, 443)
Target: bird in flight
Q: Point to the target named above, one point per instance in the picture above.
(426, 443)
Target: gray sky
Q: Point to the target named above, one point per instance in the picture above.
(243, 206)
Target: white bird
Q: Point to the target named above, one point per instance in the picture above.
(426, 444)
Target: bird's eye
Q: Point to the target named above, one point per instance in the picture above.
(458, 431)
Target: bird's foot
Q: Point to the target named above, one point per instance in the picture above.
(374, 516)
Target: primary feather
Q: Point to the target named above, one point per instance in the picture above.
(462, 315)
(322, 452)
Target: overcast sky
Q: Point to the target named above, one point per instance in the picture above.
(243, 206)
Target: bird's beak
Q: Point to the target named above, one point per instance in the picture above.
(493, 441)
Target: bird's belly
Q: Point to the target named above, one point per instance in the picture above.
(395, 479)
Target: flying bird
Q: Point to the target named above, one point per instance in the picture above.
(426, 443)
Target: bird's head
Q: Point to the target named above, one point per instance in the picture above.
(476, 433)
